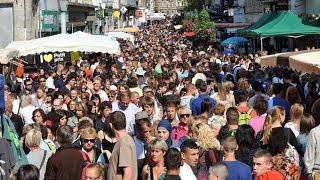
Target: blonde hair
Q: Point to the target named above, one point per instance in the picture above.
(98, 167)
(244, 84)
(88, 131)
(219, 109)
(206, 138)
(296, 113)
(273, 116)
(33, 138)
(25, 100)
(158, 143)
(223, 91)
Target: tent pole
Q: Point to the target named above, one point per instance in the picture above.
(261, 45)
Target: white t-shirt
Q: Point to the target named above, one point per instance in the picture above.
(293, 128)
(186, 172)
(15, 106)
(130, 114)
(26, 113)
(103, 95)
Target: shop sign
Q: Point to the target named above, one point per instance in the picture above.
(50, 20)
(56, 57)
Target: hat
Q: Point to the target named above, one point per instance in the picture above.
(141, 115)
(113, 88)
(139, 71)
(165, 124)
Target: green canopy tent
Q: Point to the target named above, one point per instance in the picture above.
(267, 17)
(279, 24)
(286, 23)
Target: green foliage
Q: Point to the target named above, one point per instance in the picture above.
(204, 26)
(194, 5)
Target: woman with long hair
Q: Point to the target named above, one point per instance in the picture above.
(272, 129)
(59, 118)
(209, 145)
(224, 96)
(296, 113)
(246, 144)
(261, 107)
(26, 109)
(293, 95)
(306, 124)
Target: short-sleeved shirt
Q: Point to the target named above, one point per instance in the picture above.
(123, 155)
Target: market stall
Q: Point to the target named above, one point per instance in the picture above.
(121, 35)
(305, 61)
(78, 41)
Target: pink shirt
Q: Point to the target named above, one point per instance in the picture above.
(178, 132)
(257, 122)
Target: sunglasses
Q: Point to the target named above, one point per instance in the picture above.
(89, 140)
(184, 115)
(28, 84)
(110, 96)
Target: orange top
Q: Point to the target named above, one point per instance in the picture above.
(271, 175)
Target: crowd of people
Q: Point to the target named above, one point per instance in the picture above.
(162, 109)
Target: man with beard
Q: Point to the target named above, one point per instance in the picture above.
(28, 87)
(129, 109)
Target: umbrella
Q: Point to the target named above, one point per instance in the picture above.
(234, 41)
(127, 29)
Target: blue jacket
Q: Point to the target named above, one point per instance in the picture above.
(196, 104)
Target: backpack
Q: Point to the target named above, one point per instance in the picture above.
(244, 117)
(85, 165)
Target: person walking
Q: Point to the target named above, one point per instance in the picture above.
(123, 160)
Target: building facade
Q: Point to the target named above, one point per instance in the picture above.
(168, 7)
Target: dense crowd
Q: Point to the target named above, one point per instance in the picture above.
(162, 109)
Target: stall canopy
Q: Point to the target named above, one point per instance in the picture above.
(121, 35)
(78, 41)
(305, 61)
(7, 54)
(278, 24)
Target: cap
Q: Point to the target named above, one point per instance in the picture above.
(141, 115)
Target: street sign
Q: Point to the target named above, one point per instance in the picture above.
(123, 10)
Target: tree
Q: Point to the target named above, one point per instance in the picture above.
(204, 26)
(195, 5)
